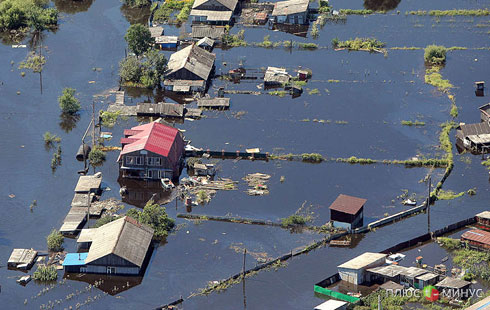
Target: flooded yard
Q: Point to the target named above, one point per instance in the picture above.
(353, 105)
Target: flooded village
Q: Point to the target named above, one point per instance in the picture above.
(230, 154)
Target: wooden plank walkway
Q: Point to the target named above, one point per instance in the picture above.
(163, 109)
(120, 97)
(214, 103)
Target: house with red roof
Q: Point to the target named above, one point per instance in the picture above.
(151, 151)
(347, 212)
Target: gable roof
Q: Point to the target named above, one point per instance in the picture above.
(195, 59)
(290, 7)
(475, 129)
(124, 237)
(347, 204)
(363, 260)
(205, 41)
(477, 235)
(229, 4)
(153, 137)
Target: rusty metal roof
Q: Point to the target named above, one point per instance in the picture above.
(477, 235)
(347, 204)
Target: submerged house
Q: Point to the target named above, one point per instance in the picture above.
(485, 112)
(475, 137)
(276, 77)
(355, 270)
(119, 248)
(290, 12)
(347, 212)
(214, 12)
(151, 151)
(189, 70)
(477, 239)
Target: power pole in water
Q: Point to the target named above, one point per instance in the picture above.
(428, 206)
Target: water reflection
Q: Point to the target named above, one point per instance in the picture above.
(68, 121)
(297, 30)
(381, 5)
(71, 6)
(139, 192)
(136, 15)
(110, 284)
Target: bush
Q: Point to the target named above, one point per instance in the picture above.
(50, 139)
(449, 243)
(293, 220)
(154, 216)
(105, 220)
(34, 14)
(435, 54)
(139, 39)
(109, 119)
(143, 72)
(137, 3)
(69, 104)
(55, 241)
(33, 62)
(202, 197)
(96, 157)
(45, 273)
(312, 157)
(370, 44)
(130, 69)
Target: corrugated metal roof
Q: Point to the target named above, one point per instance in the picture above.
(475, 129)
(449, 282)
(388, 271)
(154, 137)
(229, 4)
(477, 235)
(363, 260)
(213, 16)
(347, 204)
(195, 59)
(290, 7)
(124, 237)
(213, 32)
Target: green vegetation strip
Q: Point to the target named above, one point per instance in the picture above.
(463, 12)
(359, 44)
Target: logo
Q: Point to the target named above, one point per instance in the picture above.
(431, 293)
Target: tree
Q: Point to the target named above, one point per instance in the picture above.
(139, 39)
(435, 54)
(96, 157)
(137, 3)
(130, 69)
(68, 102)
(154, 216)
(55, 241)
(153, 69)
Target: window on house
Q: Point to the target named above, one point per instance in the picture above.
(83, 269)
(111, 270)
(129, 160)
(157, 161)
(150, 161)
(139, 160)
(150, 174)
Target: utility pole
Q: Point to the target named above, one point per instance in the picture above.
(428, 205)
(244, 256)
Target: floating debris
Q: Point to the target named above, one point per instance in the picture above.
(257, 183)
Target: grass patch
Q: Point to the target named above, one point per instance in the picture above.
(280, 93)
(314, 91)
(434, 78)
(456, 48)
(307, 46)
(486, 163)
(203, 197)
(413, 123)
(408, 48)
(50, 139)
(165, 10)
(333, 81)
(454, 111)
(267, 43)
(293, 220)
(448, 195)
(358, 44)
(355, 12)
(355, 160)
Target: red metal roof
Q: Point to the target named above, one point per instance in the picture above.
(347, 204)
(153, 137)
(477, 235)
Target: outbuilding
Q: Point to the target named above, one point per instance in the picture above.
(453, 287)
(355, 270)
(477, 239)
(483, 220)
(347, 212)
(291, 12)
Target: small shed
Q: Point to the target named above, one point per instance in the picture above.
(454, 285)
(483, 219)
(485, 112)
(409, 276)
(22, 258)
(206, 43)
(276, 77)
(332, 304)
(89, 184)
(347, 211)
(166, 42)
(477, 239)
(354, 271)
(204, 169)
(475, 137)
(156, 31)
(427, 279)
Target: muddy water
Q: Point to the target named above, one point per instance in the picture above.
(373, 95)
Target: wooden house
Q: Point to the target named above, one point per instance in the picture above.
(474, 137)
(454, 287)
(200, 31)
(483, 220)
(206, 43)
(485, 112)
(276, 77)
(151, 151)
(291, 12)
(347, 212)
(118, 248)
(477, 239)
(214, 12)
(189, 70)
